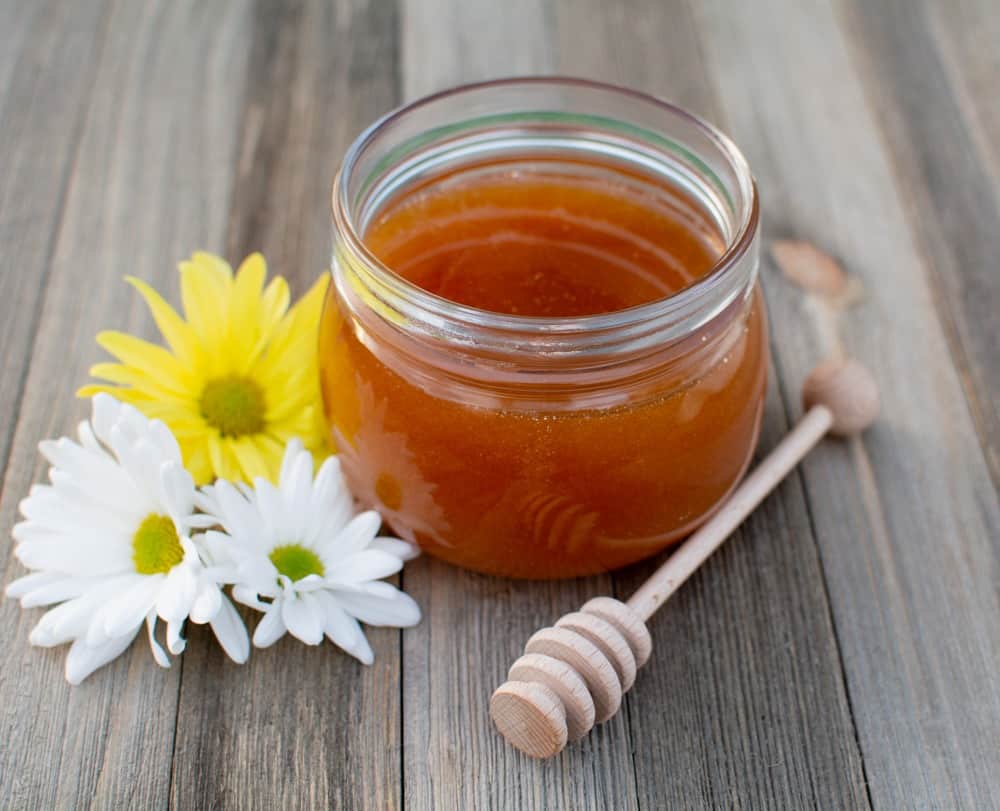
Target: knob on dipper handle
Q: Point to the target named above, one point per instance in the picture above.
(846, 388)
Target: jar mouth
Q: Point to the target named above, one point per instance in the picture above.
(738, 242)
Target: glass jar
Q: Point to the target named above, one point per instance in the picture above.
(543, 447)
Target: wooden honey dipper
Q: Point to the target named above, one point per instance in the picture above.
(573, 675)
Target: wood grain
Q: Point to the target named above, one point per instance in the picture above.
(298, 726)
(907, 518)
(43, 102)
(449, 42)
(840, 652)
(913, 73)
(135, 202)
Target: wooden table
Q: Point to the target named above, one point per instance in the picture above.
(842, 651)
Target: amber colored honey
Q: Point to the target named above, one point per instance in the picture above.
(533, 492)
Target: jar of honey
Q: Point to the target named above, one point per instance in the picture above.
(544, 352)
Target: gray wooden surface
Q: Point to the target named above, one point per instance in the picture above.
(842, 651)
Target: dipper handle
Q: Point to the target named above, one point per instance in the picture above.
(575, 673)
(709, 537)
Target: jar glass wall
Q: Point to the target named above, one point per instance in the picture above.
(553, 446)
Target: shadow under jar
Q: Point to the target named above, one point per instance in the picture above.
(544, 353)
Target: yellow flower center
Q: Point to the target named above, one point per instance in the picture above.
(156, 549)
(389, 491)
(295, 561)
(233, 405)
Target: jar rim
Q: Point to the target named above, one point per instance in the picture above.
(737, 246)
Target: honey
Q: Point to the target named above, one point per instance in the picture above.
(497, 379)
(545, 244)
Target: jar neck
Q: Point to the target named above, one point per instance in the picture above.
(585, 361)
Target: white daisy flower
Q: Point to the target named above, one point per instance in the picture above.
(305, 559)
(111, 540)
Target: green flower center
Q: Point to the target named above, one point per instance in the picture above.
(233, 405)
(156, 549)
(296, 561)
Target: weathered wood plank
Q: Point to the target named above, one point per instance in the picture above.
(298, 727)
(446, 42)
(947, 163)
(742, 703)
(475, 626)
(967, 33)
(43, 99)
(906, 518)
(149, 181)
(867, 140)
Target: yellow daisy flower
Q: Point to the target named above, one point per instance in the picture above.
(240, 377)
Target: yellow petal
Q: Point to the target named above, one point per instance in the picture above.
(196, 460)
(272, 449)
(177, 334)
(151, 360)
(224, 464)
(215, 266)
(252, 461)
(96, 388)
(301, 426)
(206, 304)
(137, 379)
(274, 302)
(285, 407)
(295, 340)
(244, 323)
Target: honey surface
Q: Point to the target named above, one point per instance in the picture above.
(535, 492)
(542, 244)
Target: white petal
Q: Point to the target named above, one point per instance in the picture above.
(355, 537)
(288, 460)
(216, 547)
(48, 631)
(126, 611)
(393, 608)
(84, 465)
(176, 491)
(258, 574)
(207, 603)
(17, 589)
(370, 564)
(270, 628)
(96, 501)
(82, 555)
(158, 653)
(343, 630)
(270, 508)
(331, 505)
(206, 499)
(247, 596)
(237, 515)
(164, 441)
(84, 659)
(296, 488)
(310, 582)
(175, 642)
(231, 632)
(87, 437)
(404, 550)
(71, 619)
(303, 618)
(67, 508)
(106, 412)
(177, 594)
